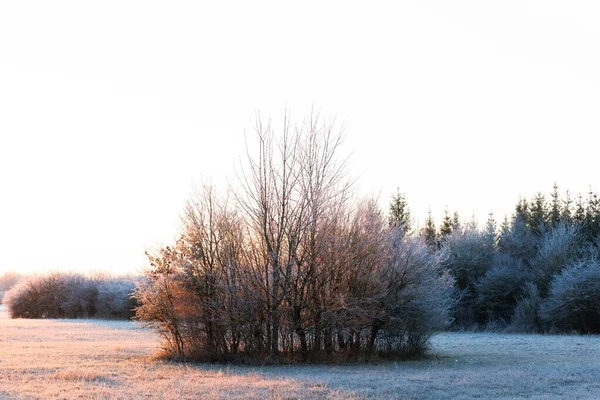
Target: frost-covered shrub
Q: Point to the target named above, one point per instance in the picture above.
(23, 299)
(526, 315)
(64, 295)
(573, 302)
(417, 296)
(469, 255)
(518, 241)
(7, 281)
(500, 289)
(114, 298)
(556, 249)
(79, 297)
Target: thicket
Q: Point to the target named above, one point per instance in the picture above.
(291, 267)
(69, 295)
(537, 272)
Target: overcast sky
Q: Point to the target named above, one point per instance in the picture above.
(110, 111)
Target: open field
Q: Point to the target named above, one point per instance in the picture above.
(100, 359)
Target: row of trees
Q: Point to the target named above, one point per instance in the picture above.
(291, 266)
(69, 295)
(537, 272)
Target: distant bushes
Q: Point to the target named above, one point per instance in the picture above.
(68, 295)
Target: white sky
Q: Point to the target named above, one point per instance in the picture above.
(110, 111)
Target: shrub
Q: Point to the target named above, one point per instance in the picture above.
(556, 249)
(500, 289)
(7, 281)
(418, 297)
(63, 295)
(527, 311)
(573, 303)
(518, 241)
(114, 298)
(469, 255)
(23, 299)
(79, 297)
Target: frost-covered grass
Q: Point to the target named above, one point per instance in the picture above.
(91, 359)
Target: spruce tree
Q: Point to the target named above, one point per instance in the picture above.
(538, 213)
(455, 222)
(490, 231)
(579, 216)
(522, 210)
(505, 227)
(429, 232)
(399, 217)
(591, 221)
(447, 224)
(566, 213)
(555, 207)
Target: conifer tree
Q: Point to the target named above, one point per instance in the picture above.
(490, 231)
(429, 232)
(447, 225)
(522, 210)
(591, 222)
(555, 207)
(538, 213)
(455, 221)
(579, 216)
(566, 213)
(399, 216)
(505, 227)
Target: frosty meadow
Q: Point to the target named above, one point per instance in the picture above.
(93, 359)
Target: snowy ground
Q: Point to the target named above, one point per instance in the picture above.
(103, 359)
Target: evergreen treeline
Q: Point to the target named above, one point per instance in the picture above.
(69, 295)
(538, 271)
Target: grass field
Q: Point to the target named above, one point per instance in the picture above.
(90, 359)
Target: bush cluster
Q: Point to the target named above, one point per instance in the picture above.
(294, 269)
(68, 295)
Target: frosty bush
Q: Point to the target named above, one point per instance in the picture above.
(526, 315)
(469, 255)
(500, 289)
(65, 295)
(114, 298)
(518, 241)
(418, 297)
(23, 299)
(557, 248)
(78, 297)
(7, 281)
(574, 299)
